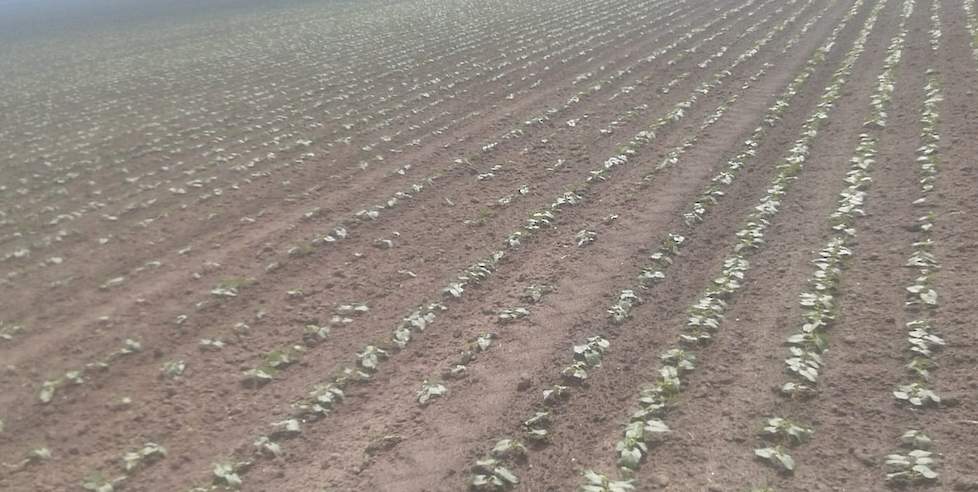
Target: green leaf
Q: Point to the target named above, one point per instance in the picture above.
(630, 458)
(48, 389)
(173, 369)
(430, 390)
(777, 457)
(508, 449)
(224, 473)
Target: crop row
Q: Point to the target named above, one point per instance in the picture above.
(923, 338)
(808, 344)
(971, 21)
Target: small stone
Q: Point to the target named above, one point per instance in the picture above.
(865, 457)
(659, 480)
(524, 382)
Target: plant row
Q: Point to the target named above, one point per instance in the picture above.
(807, 345)
(923, 338)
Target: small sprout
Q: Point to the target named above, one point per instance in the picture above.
(48, 389)
(534, 293)
(371, 357)
(798, 391)
(575, 373)
(150, 452)
(352, 309)
(484, 341)
(383, 244)
(777, 457)
(915, 439)
(555, 394)
(585, 237)
(37, 455)
(225, 474)
(231, 287)
(591, 351)
(512, 314)
(489, 475)
(430, 390)
(596, 482)
(314, 334)
(917, 395)
(258, 376)
(280, 359)
(631, 450)
(622, 309)
(75, 377)
(173, 369)
(538, 435)
(286, 429)
(508, 449)
(539, 419)
(782, 430)
(114, 282)
(458, 371)
(210, 345)
(96, 482)
(681, 359)
(454, 289)
(911, 468)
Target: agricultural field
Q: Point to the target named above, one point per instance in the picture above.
(420, 245)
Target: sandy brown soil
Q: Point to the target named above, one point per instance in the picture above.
(147, 163)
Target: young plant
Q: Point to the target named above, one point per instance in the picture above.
(915, 467)
(489, 475)
(596, 482)
(148, 454)
(430, 390)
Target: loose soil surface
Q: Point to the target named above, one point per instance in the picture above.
(188, 197)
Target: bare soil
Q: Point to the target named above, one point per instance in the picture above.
(146, 159)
